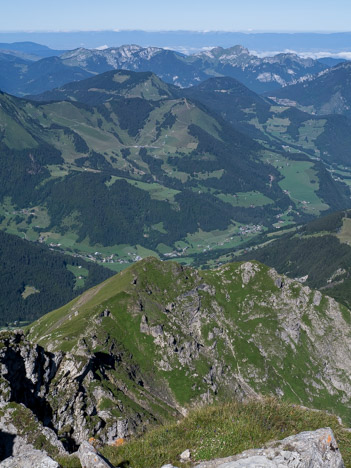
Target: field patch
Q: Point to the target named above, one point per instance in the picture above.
(246, 199)
(29, 290)
(156, 191)
(300, 182)
(345, 233)
(80, 274)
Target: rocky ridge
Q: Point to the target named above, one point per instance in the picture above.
(184, 71)
(22, 77)
(148, 343)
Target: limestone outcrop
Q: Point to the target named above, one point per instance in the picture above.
(313, 449)
(29, 458)
(90, 458)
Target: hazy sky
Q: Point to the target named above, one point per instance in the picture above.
(228, 15)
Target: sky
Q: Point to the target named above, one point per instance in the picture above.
(214, 15)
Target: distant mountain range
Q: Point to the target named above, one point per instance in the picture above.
(21, 76)
(327, 93)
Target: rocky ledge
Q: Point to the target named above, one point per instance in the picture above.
(314, 449)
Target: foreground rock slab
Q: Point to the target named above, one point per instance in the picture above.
(314, 449)
(30, 459)
(90, 458)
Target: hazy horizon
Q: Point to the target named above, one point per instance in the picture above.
(262, 43)
(179, 30)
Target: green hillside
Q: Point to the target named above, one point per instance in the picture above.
(149, 171)
(170, 161)
(109, 85)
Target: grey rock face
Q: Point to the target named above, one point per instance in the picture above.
(26, 369)
(90, 458)
(29, 458)
(315, 449)
(27, 374)
(15, 445)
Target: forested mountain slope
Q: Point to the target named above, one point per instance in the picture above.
(35, 280)
(134, 167)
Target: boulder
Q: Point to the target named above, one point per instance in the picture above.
(185, 456)
(90, 458)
